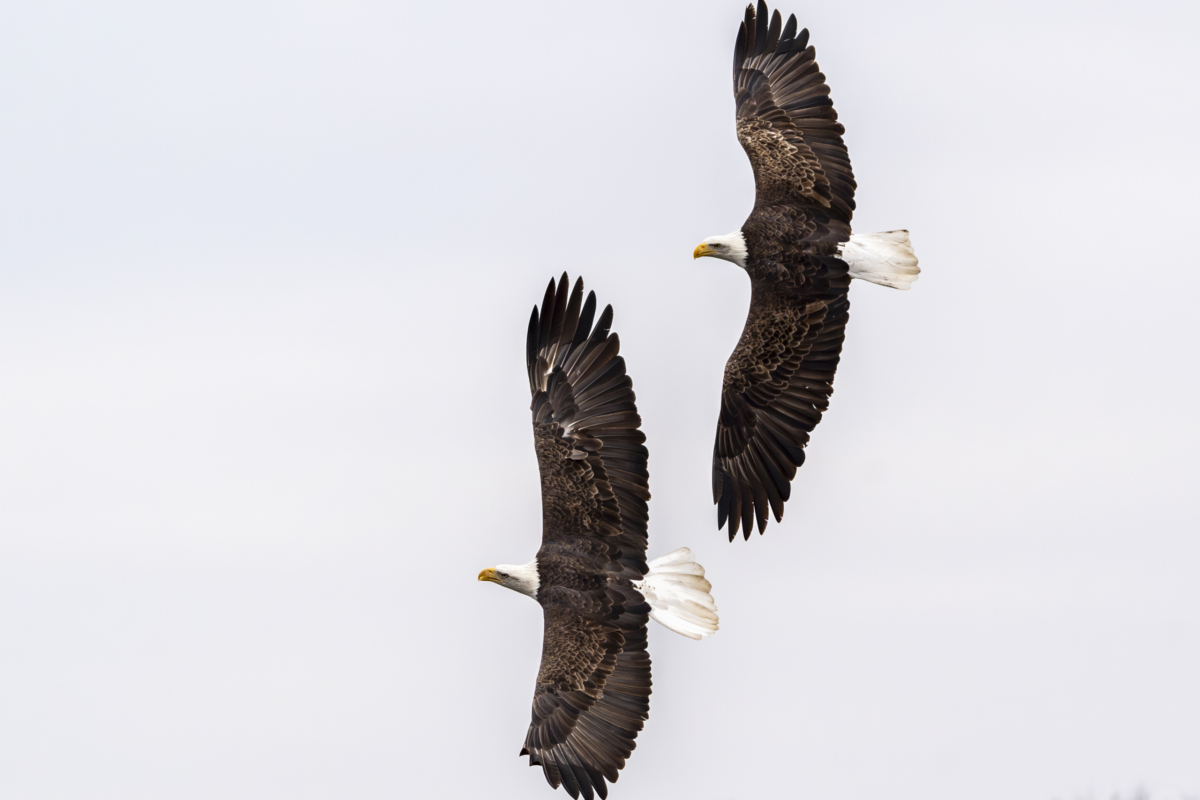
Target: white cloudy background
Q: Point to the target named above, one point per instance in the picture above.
(265, 271)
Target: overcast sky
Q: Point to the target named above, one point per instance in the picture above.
(265, 272)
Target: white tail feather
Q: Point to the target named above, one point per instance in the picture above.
(679, 595)
(884, 258)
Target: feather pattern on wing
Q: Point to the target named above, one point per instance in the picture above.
(780, 376)
(777, 385)
(786, 121)
(592, 692)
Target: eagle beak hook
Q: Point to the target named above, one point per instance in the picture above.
(701, 250)
(488, 574)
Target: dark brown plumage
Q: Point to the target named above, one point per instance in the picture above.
(780, 376)
(592, 692)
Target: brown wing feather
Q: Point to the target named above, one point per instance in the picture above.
(587, 712)
(593, 686)
(582, 393)
(777, 384)
(780, 376)
(786, 121)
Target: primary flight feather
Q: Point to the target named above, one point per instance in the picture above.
(797, 248)
(590, 575)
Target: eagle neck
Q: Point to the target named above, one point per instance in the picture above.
(737, 249)
(523, 578)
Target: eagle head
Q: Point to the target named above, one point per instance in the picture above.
(521, 578)
(731, 247)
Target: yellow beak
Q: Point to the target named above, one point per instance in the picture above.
(701, 250)
(489, 574)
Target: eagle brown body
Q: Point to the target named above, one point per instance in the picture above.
(590, 575)
(779, 378)
(593, 687)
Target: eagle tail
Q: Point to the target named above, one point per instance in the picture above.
(884, 258)
(679, 595)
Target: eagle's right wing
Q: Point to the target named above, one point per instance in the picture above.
(777, 384)
(592, 695)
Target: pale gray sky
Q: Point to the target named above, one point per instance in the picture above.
(265, 271)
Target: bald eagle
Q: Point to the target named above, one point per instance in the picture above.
(590, 575)
(797, 248)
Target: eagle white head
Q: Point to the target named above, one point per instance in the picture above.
(731, 247)
(521, 578)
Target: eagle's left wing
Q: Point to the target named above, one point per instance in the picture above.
(586, 426)
(786, 122)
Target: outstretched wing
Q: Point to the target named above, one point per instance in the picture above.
(777, 384)
(593, 687)
(584, 409)
(593, 690)
(787, 125)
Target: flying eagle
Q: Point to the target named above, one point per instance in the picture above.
(800, 255)
(590, 575)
